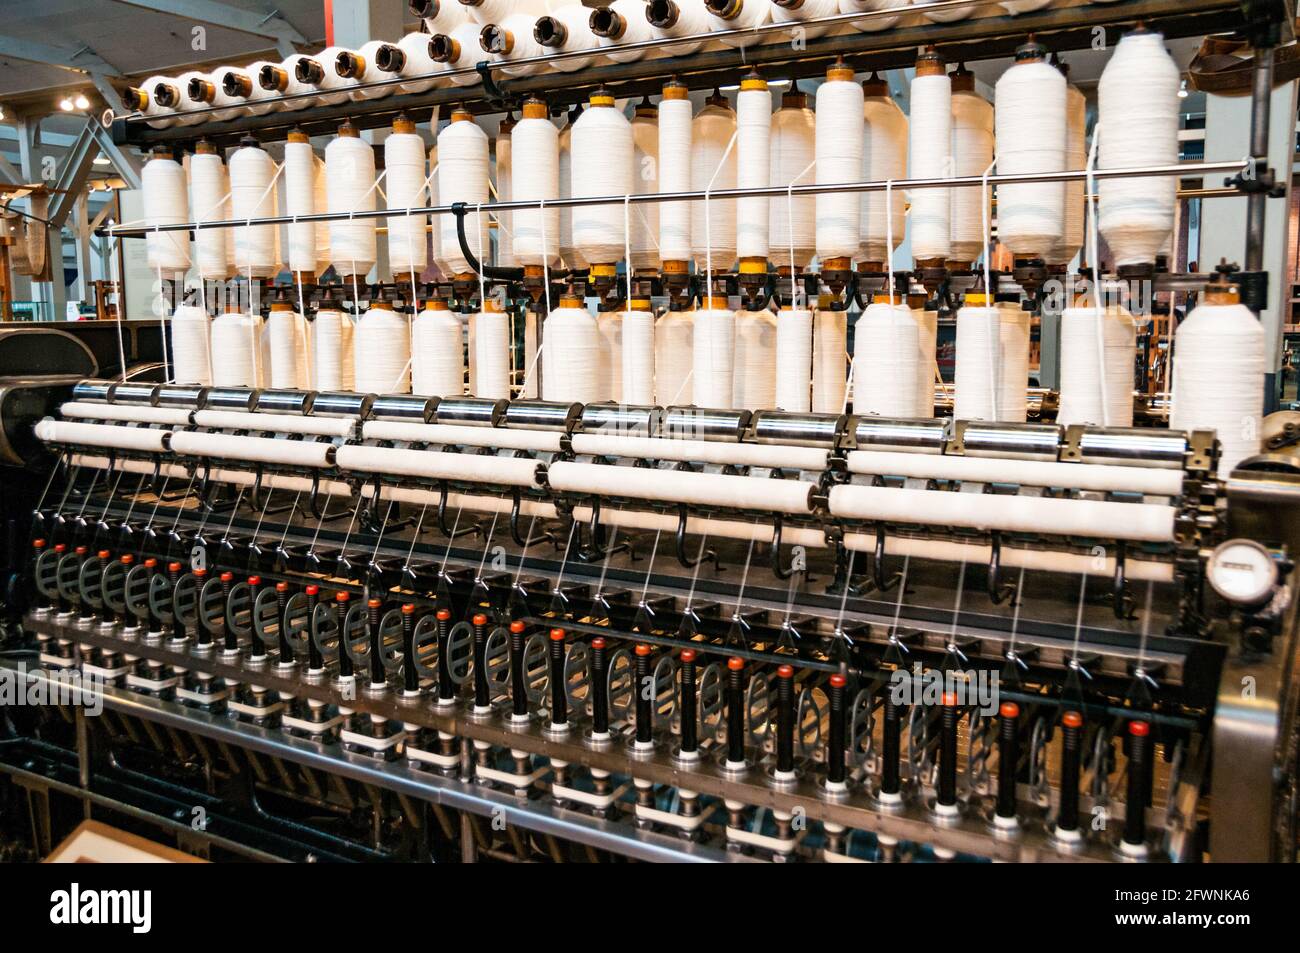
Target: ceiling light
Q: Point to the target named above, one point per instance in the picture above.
(1182, 90)
(103, 160)
(82, 102)
(66, 104)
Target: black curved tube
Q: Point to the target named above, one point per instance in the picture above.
(487, 271)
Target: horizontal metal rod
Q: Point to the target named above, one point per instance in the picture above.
(773, 191)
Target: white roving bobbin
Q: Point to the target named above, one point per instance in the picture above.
(252, 195)
(930, 157)
(438, 353)
(609, 361)
(950, 15)
(210, 202)
(602, 165)
(621, 24)
(1076, 157)
(570, 355)
(286, 331)
(886, 361)
(1082, 385)
(350, 180)
(977, 374)
(300, 199)
(675, 129)
(435, 221)
(280, 80)
(381, 348)
(505, 191)
(714, 354)
(753, 165)
(1218, 378)
(643, 218)
(713, 167)
(792, 218)
(459, 50)
(674, 18)
(1013, 362)
(537, 231)
(927, 330)
(494, 11)
(439, 16)
(513, 39)
(874, 24)
(794, 360)
(236, 350)
(415, 60)
(567, 29)
(638, 374)
(674, 358)
(361, 66)
(840, 126)
(463, 177)
(331, 340)
(404, 186)
(322, 204)
(739, 15)
(318, 71)
(166, 203)
(830, 340)
(491, 355)
(1030, 137)
(797, 11)
(884, 159)
(754, 374)
(1137, 114)
(571, 256)
(191, 360)
(972, 152)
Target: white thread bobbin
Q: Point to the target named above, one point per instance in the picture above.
(950, 15)
(300, 199)
(570, 254)
(840, 130)
(754, 376)
(609, 356)
(361, 66)
(1076, 157)
(1218, 376)
(972, 152)
(253, 195)
(320, 198)
(350, 178)
(794, 360)
(927, 330)
(505, 191)
(1085, 397)
(438, 352)
(141, 99)
(799, 11)
(236, 351)
(571, 354)
(884, 159)
(435, 221)
(165, 203)
(740, 15)
(1030, 136)
(410, 57)
(512, 39)
(874, 24)
(286, 333)
(405, 176)
(382, 351)
(439, 16)
(674, 18)
(753, 166)
(318, 72)
(259, 101)
(458, 50)
(281, 84)
(619, 24)
(930, 157)
(830, 341)
(1013, 362)
(886, 361)
(463, 177)
(675, 130)
(674, 358)
(332, 350)
(208, 91)
(637, 378)
(602, 165)
(191, 356)
(491, 352)
(977, 371)
(567, 29)
(175, 95)
(210, 202)
(643, 219)
(494, 11)
(792, 219)
(1137, 114)
(714, 357)
(537, 178)
(713, 168)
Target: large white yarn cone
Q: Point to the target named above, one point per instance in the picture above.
(884, 157)
(286, 333)
(930, 156)
(829, 382)
(794, 327)
(438, 353)
(191, 360)
(350, 180)
(1030, 135)
(714, 357)
(886, 364)
(572, 257)
(1076, 157)
(674, 18)
(237, 350)
(675, 132)
(300, 199)
(713, 167)
(463, 177)
(674, 358)
(793, 219)
(166, 203)
(253, 195)
(602, 165)
(1087, 398)
(332, 353)
(741, 15)
(570, 356)
(644, 217)
(638, 374)
(537, 231)
(210, 202)
(405, 164)
(840, 130)
(753, 159)
(382, 352)
(972, 151)
(754, 386)
(490, 359)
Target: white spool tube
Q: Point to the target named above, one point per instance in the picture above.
(609, 361)
(753, 167)
(1013, 362)
(300, 199)
(1082, 386)
(491, 355)
(459, 50)
(210, 202)
(884, 159)
(619, 24)
(1030, 135)
(676, 486)
(794, 360)
(287, 335)
(757, 531)
(875, 24)
(436, 465)
(602, 165)
(332, 351)
(382, 352)
(792, 218)
(512, 38)
(570, 255)
(886, 362)
(406, 172)
(674, 358)
(125, 413)
(1076, 157)
(438, 353)
(361, 67)
(496, 438)
(319, 72)
(298, 453)
(1045, 473)
(675, 130)
(253, 195)
(142, 439)
(930, 156)
(700, 451)
(165, 203)
(505, 191)
(713, 358)
(320, 200)
(741, 15)
(236, 350)
(567, 29)
(350, 181)
(829, 380)
(191, 344)
(643, 219)
(1099, 519)
(972, 152)
(275, 423)
(754, 386)
(412, 60)
(674, 18)
(713, 168)
(840, 130)
(927, 333)
(977, 374)
(570, 356)
(463, 177)
(283, 87)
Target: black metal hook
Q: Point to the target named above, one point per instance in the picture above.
(679, 541)
(878, 574)
(774, 557)
(998, 593)
(1121, 598)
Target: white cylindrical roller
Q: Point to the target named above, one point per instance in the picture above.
(537, 231)
(458, 50)
(1097, 388)
(512, 39)
(299, 453)
(101, 435)
(463, 177)
(350, 180)
(1218, 377)
(505, 192)
(977, 374)
(619, 24)
(930, 156)
(638, 373)
(873, 24)
(794, 360)
(236, 350)
(275, 423)
(133, 413)
(675, 130)
(714, 357)
(1030, 137)
(886, 359)
(165, 203)
(567, 29)
(674, 358)
(609, 361)
(884, 158)
(318, 72)
(490, 368)
(436, 465)
(572, 256)
(406, 172)
(754, 386)
(674, 18)
(570, 354)
(676, 486)
(191, 360)
(281, 83)
(644, 217)
(497, 438)
(744, 530)
(753, 167)
(300, 199)
(438, 352)
(332, 352)
(793, 147)
(713, 167)
(253, 195)
(381, 348)
(701, 451)
(840, 126)
(1144, 522)
(287, 333)
(830, 344)
(1013, 362)
(740, 15)
(210, 202)
(1138, 115)
(927, 331)
(972, 152)
(602, 165)
(1151, 481)
(1076, 157)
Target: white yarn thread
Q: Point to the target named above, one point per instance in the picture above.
(573, 258)
(840, 131)
(405, 178)
(156, 114)
(977, 373)
(260, 101)
(210, 202)
(674, 358)
(748, 15)
(1076, 157)
(332, 351)
(300, 199)
(754, 386)
(972, 151)
(675, 134)
(886, 361)
(602, 165)
(287, 335)
(371, 73)
(714, 357)
(537, 179)
(166, 203)
(830, 340)
(571, 356)
(929, 156)
(875, 24)
(631, 26)
(713, 168)
(569, 27)
(1137, 104)
(462, 177)
(644, 218)
(753, 170)
(638, 370)
(927, 329)
(794, 360)
(381, 348)
(252, 195)
(1030, 137)
(191, 357)
(236, 351)
(884, 159)
(438, 354)
(674, 18)
(1082, 400)
(350, 181)
(491, 356)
